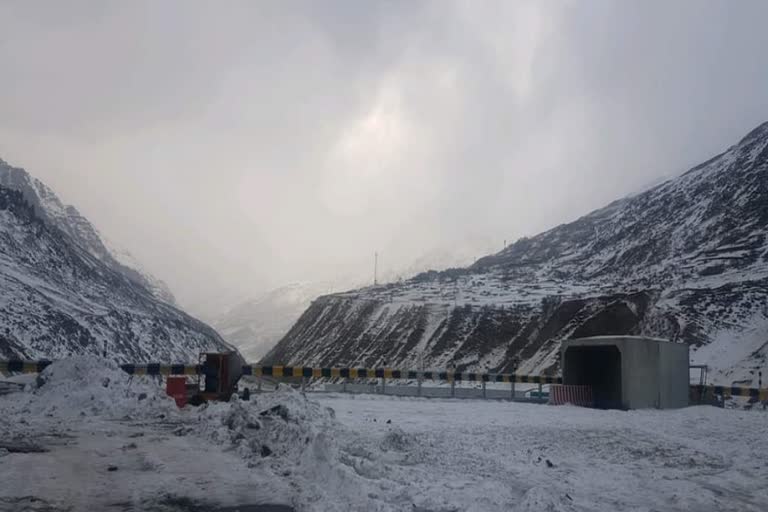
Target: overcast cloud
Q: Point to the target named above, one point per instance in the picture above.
(235, 146)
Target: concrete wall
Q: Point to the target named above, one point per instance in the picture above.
(674, 379)
(640, 373)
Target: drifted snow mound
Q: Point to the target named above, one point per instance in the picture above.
(291, 436)
(398, 441)
(541, 499)
(92, 386)
(271, 428)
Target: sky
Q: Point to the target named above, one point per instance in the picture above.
(237, 146)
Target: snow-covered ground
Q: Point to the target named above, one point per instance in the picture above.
(100, 440)
(480, 455)
(118, 444)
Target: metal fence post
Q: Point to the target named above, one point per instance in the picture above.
(344, 385)
(383, 385)
(484, 390)
(541, 392)
(420, 377)
(453, 386)
(513, 388)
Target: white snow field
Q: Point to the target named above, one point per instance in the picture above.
(99, 440)
(478, 455)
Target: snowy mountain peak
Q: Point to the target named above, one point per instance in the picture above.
(69, 220)
(758, 134)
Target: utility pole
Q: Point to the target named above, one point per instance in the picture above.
(375, 268)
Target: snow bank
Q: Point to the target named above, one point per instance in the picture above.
(297, 440)
(91, 386)
(278, 426)
(545, 499)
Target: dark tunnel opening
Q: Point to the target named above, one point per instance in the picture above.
(598, 367)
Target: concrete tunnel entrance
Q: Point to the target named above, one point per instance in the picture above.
(599, 367)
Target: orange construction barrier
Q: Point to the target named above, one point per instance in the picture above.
(562, 394)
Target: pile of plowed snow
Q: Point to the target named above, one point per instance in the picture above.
(298, 440)
(283, 431)
(91, 386)
(269, 428)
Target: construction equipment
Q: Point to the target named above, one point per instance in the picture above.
(217, 380)
(221, 371)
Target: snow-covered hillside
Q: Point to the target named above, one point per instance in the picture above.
(255, 326)
(51, 209)
(58, 299)
(686, 260)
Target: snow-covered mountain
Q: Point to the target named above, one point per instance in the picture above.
(255, 326)
(57, 298)
(51, 209)
(686, 260)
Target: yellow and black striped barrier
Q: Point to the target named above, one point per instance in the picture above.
(304, 371)
(16, 366)
(388, 373)
(162, 369)
(19, 366)
(761, 394)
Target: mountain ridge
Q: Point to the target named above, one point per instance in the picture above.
(57, 299)
(68, 219)
(686, 260)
